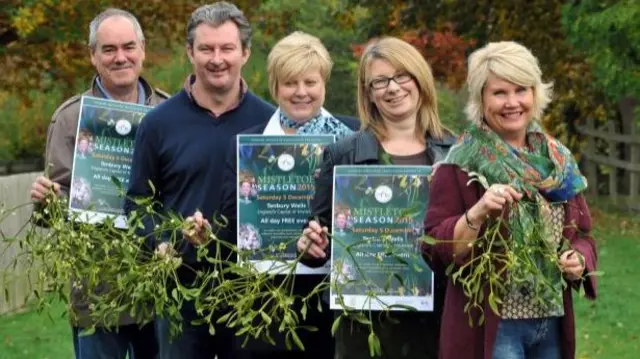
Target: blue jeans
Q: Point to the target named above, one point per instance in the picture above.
(194, 342)
(138, 342)
(528, 339)
(74, 334)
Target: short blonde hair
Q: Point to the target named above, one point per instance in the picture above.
(512, 62)
(404, 58)
(294, 55)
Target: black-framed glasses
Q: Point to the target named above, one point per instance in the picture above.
(380, 83)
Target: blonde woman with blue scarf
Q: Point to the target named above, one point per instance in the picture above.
(298, 67)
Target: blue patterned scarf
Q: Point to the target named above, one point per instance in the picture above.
(322, 124)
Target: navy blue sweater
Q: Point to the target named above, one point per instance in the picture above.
(181, 148)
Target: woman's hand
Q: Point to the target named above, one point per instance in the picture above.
(572, 264)
(195, 229)
(492, 203)
(313, 241)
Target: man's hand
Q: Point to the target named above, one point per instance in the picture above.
(196, 229)
(165, 250)
(41, 187)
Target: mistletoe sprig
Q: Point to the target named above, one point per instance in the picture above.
(110, 267)
(498, 262)
(117, 274)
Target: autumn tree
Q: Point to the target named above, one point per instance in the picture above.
(534, 23)
(44, 56)
(444, 51)
(333, 23)
(43, 43)
(608, 33)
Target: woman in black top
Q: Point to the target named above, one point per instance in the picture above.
(398, 108)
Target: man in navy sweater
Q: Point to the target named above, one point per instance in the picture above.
(181, 148)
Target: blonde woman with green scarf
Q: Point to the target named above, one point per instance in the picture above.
(510, 196)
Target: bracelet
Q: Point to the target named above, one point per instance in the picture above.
(469, 224)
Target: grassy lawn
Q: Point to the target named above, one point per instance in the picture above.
(33, 336)
(608, 328)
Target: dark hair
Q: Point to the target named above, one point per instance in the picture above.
(217, 14)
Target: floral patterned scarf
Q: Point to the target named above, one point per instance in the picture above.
(548, 169)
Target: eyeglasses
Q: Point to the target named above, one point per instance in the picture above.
(382, 82)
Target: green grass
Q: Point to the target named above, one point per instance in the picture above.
(34, 336)
(610, 326)
(607, 328)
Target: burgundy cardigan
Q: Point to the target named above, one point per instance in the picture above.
(450, 197)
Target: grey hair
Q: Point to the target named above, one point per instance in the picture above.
(111, 12)
(217, 14)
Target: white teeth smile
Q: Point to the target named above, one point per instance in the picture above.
(512, 115)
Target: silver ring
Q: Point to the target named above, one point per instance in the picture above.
(499, 191)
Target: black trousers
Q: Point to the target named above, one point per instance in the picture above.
(409, 335)
(138, 342)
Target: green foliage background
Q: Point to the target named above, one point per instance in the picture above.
(589, 48)
(27, 112)
(608, 33)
